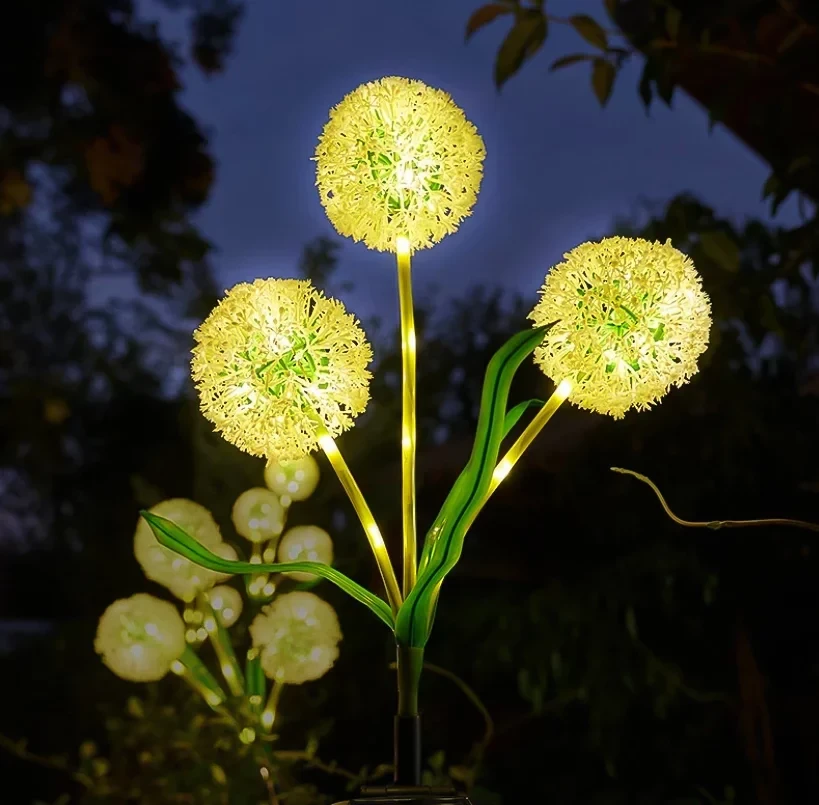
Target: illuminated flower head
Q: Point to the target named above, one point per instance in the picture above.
(306, 543)
(298, 635)
(226, 603)
(183, 578)
(139, 637)
(631, 319)
(398, 158)
(292, 480)
(273, 360)
(258, 515)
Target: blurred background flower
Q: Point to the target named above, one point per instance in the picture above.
(292, 480)
(305, 543)
(298, 635)
(183, 578)
(139, 637)
(226, 603)
(258, 515)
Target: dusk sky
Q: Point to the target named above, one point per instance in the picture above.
(558, 170)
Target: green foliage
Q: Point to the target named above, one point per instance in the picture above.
(525, 38)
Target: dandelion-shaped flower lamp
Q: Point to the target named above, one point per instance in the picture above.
(398, 166)
(281, 370)
(627, 320)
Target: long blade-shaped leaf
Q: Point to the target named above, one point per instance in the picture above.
(445, 540)
(510, 420)
(175, 539)
(514, 414)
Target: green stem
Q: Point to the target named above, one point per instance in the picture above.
(409, 662)
(268, 718)
(222, 646)
(175, 539)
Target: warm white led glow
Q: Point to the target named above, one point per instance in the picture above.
(502, 470)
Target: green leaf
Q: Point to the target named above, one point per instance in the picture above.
(444, 541)
(565, 61)
(486, 14)
(603, 75)
(590, 30)
(514, 414)
(721, 248)
(175, 539)
(522, 42)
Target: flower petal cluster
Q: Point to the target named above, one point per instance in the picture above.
(398, 158)
(182, 577)
(275, 360)
(630, 320)
(298, 635)
(139, 637)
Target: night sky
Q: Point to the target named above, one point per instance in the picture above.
(559, 168)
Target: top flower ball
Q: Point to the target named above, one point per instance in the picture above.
(398, 158)
(276, 360)
(630, 320)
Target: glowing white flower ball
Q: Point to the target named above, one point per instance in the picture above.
(293, 480)
(226, 603)
(298, 635)
(306, 543)
(258, 515)
(183, 578)
(139, 637)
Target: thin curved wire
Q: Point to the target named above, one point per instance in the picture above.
(715, 525)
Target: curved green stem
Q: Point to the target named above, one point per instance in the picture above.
(175, 539)
(413, 623)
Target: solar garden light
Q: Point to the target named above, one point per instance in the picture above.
(281, 370)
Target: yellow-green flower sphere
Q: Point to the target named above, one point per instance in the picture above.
(298, 635)
(292, 480)
(398, 158)
(630, 321)
(258, 515)
(305, 543)
(275, 360)
(183, 578)
(139, 637)
(226, 603)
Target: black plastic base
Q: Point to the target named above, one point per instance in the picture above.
(407, 795)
